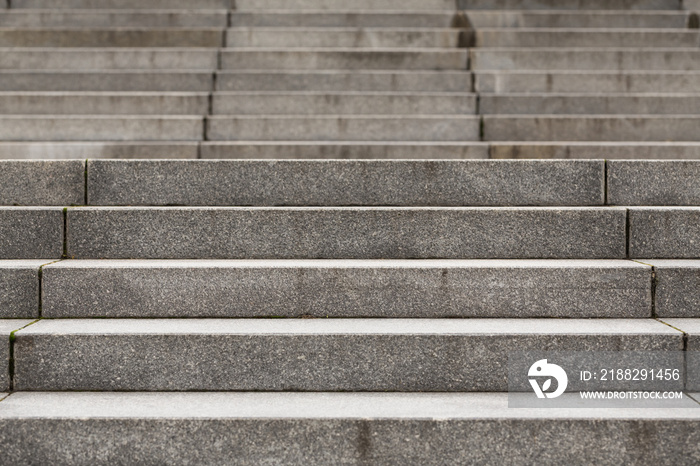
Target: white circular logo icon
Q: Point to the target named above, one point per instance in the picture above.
(542, 369)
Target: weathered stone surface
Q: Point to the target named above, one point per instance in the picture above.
(344, 80)
(307, 354)
(353, 183)
(112, 37)
(326, 428)
(664, 232)
(543, 38)
(65, 18)
(17, 58)
(691, 327)
(344, 232)
(344, 59)
(344, 150)
(103, 103)
(42, 183)
(347, 288)
(124, 4)
(31, 232)
(677, 287)
(595, 150)
(101, 128)
(585, 59)
(19, 288)
(589, 104)
(342, 103)
(99, 150)
(653, 182)
(7, 326)
(591, 128)
(106, 81)
(343, 128)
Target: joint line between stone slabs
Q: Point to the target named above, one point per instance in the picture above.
(85, 183)
(685, 351)
(65, 233)
(627, 233)
(11, 362)
(686, 394)
(41, 285)
(4, 398)
(605, 182)
(653, 288)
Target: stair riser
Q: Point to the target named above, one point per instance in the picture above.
(594, 83)
(104, 128)
(93, 59)
(297, 362)
(344, 60)
(358, 233)
(338, 289)
(592, 128)
(106, 81)
(77, 104)
(310, 183)
(422, 81)
(110, 38)
(598, 60)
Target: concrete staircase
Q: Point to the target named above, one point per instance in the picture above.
(289, 311)
(338, 312)
(327, 79)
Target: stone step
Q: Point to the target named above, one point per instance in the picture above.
(397, 5)
(337, 183)
(592, 128)
(644, 183)
(107, 81)
(579, 19)
(598, 38)
(623, 59)
(59, 183)
(341, 103)
(345, 233)
(349, 80)
(691, 328)
(31, 232)
(19, 281)
(589, 104)
(594, 150)
(474, 18)
(341, 150)
(124, 4)
(346, 150)
(449, 4)
(104, 103)
(101, 128)
(17, 58)
(568, 4)
(676, 291)
(432, 355)
(344, 59)
(664, 232)
(351, 428)
(339, 288)
(122, 37)
(7, 326)
(344, 128)
(349, 18)
(345, 37)
(57, 18)
(99, 149)
(594, 82)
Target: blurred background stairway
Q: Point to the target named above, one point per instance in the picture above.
(424, 79)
